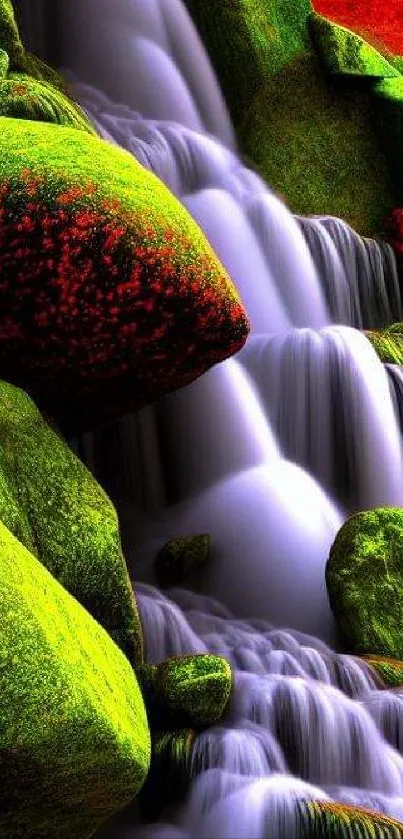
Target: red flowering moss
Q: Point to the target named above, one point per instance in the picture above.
(110, 295)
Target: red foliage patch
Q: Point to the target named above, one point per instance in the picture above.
(94, 323)
(379, 21)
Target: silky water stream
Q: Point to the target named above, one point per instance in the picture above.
(268, 452)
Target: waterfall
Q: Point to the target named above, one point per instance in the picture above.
(266, 452)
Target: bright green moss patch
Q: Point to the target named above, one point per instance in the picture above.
(342, 51)
(329, 820)
(364, 577)
(74, 739)
(388, 343)
(196, 686)
(10, 40)
(312, 137)
(179, 557)
(23, 97)
(53, 505)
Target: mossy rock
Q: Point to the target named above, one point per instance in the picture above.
(364, 577)
(110, 293)
(53, 505)
(190, 690)
(329, 820)
(28, 88)
(74, 738)
(388, 343)
(179, 557)
(343, 52)
(390, 670)
(169, 777)
(309, 133)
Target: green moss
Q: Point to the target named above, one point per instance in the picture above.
(195, 686)
(388, 343)
(390, 670)
(342, 51)
(329, 820)
(53, 505)
(10, 40)
(179, 557)
(364, 576)
(312, 137)
(74, 739)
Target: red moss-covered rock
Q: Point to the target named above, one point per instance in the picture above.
(110, 294)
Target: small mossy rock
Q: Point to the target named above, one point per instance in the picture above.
(343, 52)
(74, 738)
(329, 820)
(23, 97)
(388, 343)
(110, 293)
(179, 557)
(196, 687)
(170, 773)
(364, 577)
(54, 506)
(390, 670)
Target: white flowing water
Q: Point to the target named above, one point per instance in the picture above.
(259, 452)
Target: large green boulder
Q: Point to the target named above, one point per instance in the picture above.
(110, 294)
(74, 738)
(300, 94)
(364, 577)
(53, 505)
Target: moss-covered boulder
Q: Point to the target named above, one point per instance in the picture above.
(110, 294)
(179, 557)
(344, 52)
(190, 690)
(390, 670)
(364, 577)
(29, 89)
(388, 343)
(329, 820)
(300, 113)
(74, 738)
(53, 505)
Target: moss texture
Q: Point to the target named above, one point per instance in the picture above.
(110, 294)
(28, 88)
(197, 687)
(364, 577)
(390, 670)
(74, 739)
(179, 557)
(328, 820)
(343, 51)
(310, 135)
(388, 343)
(53, 505)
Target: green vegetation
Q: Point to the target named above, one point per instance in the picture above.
(53, 505)
(74, 738)
(179, 557)
(390, 670)
(364, 577)
(311, 135)
(329, 820)
(388, 343)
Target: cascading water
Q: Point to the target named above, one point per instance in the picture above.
(306, 723)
